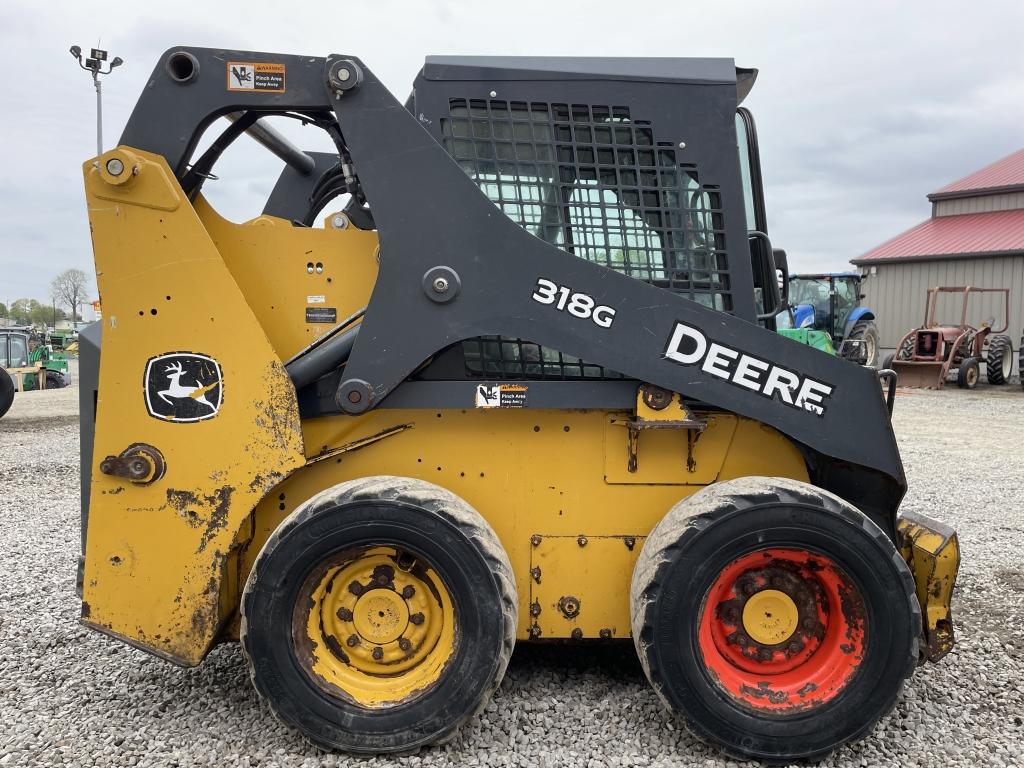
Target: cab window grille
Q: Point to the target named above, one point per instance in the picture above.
(595, 182)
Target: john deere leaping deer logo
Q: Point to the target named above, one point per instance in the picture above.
(183, 387)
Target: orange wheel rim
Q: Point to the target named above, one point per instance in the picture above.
(782, 630)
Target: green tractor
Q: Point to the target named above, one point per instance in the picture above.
(26, 363)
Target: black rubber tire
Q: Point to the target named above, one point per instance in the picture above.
(887, 361)
(906, 349)
(464, 551)
(703, 534)
(6, 391)
(865, 330)
(999, 360)
(968, 374)
(55, 380)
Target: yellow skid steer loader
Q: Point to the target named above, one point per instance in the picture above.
(522, 385)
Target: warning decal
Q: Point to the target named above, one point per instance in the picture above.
(501, 396)
(249, 76)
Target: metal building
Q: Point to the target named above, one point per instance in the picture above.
(975, 236)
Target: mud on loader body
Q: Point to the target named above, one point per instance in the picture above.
(516, 390)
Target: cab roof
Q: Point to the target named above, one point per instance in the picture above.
(695, 71)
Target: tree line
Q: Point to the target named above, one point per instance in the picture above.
(68, 289)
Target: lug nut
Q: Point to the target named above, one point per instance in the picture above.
(378, 654)
(355, 588)
(345, 614)
(353, 640)
(408, 591)
(404, 644)
(416, 618)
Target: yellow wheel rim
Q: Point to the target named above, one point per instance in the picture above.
(374, 626)
(770, 617)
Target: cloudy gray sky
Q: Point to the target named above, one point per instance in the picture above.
(862, 108)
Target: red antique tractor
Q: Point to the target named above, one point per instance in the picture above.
(925, 356)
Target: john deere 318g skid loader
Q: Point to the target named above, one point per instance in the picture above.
(519, 388)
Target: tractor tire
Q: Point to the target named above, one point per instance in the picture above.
(774, 618)
(866, 353)
(969, 373)
(999, 361)
(906, 350)
(6, 391)
(55, 380)
(379, 616)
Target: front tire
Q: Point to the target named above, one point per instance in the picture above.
(999, 361)
(865, 353)
(379, 616)
(968, 374)
(774, 618)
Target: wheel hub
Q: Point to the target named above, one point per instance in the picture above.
(770, 617)
(377, 626)
(782, 629)
(380, 616)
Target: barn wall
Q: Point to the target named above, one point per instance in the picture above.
(981, 204)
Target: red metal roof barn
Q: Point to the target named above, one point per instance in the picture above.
(975, 236)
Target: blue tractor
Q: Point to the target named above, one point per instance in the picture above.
(830, 302)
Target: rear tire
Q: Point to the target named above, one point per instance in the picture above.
(906, 350)
(6, 391)
(389, 659)
(999, 361)
(848, 600)
(967, 376)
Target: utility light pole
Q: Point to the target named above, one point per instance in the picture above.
(94, 64)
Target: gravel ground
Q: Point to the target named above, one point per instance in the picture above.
(69, 696)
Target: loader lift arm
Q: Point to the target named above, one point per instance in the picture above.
(453, 267)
